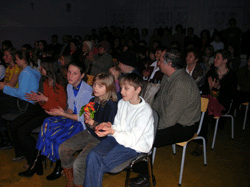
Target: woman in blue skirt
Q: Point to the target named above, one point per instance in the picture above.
(65, 123)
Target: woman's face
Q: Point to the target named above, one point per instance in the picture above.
(7, 57)
(72, 46)
(20, 62)
(74, 75)
(43, 71)
(40, 46)
(62, 61)
(190, 59)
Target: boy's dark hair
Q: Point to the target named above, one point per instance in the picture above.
(132, 79)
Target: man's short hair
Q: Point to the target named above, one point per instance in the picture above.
(132, 79)
(226, 55)
(175, 57)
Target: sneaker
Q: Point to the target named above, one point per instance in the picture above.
(18, 158)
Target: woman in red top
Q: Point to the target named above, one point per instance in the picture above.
(53, 96)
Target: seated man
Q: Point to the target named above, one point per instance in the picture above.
(178, 105)
(132, 133)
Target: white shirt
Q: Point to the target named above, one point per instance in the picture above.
(134, 126)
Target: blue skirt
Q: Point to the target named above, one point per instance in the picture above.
(54, 131)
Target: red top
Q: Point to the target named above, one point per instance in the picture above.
(55, 99)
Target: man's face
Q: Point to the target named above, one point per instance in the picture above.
(163, 66)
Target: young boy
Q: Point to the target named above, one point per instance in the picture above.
(132, 133)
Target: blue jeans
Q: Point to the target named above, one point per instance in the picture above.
(103, 158)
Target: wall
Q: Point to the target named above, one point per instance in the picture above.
(29, 20)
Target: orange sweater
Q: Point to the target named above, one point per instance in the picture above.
(55, 99)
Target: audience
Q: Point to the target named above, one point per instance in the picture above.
(122, 52)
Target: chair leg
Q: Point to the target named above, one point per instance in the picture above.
(204, 151)
(127, 178)
(182, 164)
(232, 121)
(245, 117)
(150, 172)
(174, 148)
(215, 132)
(153, 155)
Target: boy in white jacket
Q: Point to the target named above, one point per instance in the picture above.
(132, 133)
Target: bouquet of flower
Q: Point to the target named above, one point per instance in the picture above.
(88, 108)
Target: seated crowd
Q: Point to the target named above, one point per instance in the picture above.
(91, 97)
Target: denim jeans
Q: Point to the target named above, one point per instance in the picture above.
(103, 158)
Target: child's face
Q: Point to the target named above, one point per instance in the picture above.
(99, 89)
(129, 93)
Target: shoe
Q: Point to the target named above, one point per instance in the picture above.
(141, 181)
(18, 158)
(56, 172)
(5, 145)
(28, 173)
(38, 169)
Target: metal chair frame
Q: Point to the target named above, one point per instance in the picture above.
(204, 104)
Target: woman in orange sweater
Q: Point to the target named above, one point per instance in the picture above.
(53, 96)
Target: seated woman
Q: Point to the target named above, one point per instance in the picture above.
(193, 68)
(13, 70)
(105, 105)
(223, 81)
(64, 61)
(53, 96)
(12, 99)
(131, 133)
(66, 123)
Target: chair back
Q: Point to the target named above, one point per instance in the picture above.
(204, 104)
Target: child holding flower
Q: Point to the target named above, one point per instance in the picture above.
(102, 108)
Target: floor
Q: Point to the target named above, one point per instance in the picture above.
(228, 164)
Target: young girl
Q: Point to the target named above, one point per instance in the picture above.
(66, 123)
(53, 96)
(105, 106)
